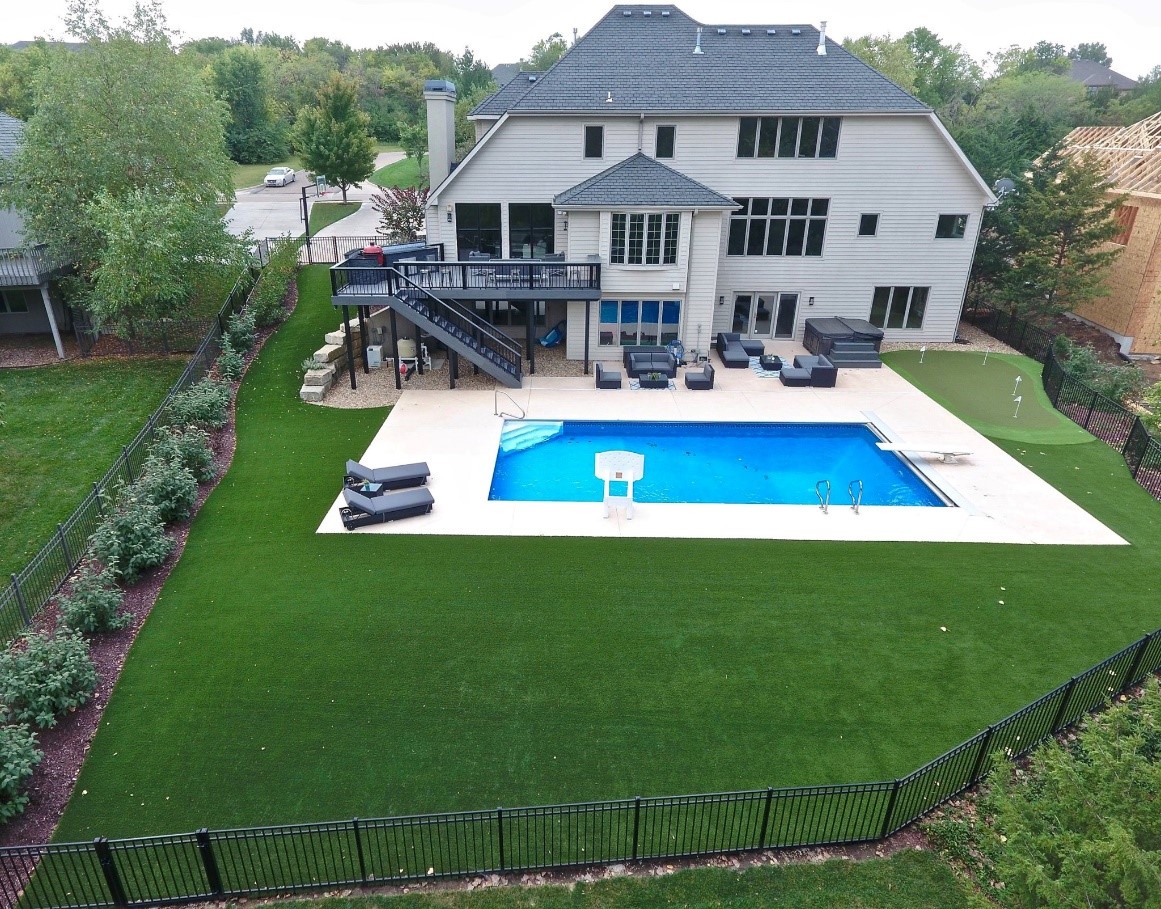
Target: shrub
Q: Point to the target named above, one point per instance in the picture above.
(170, 486)
(94, 605)
(205, 404)
(267, 296)
(240, 330)
(1118, 381)
(19, 755)
(187, 446)
(230, 362)
(1152, 400)
(130, 538)
(49, 676)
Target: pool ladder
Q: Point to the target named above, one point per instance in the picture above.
(856, 497)
(854, 490)
(823, 500)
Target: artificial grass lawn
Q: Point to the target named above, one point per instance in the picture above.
(908, 880)
(324, 214)
(64, 425)
(406, 173)
(286, 676)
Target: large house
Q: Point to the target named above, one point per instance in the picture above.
(27, 305)
(712, 179)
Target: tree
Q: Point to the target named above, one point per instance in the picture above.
(18, 73)
(1094, 51)
(413, 138)
(403, 210)
(1047, 244)
(943, 72)
(332, 136)
(254, 133)
(890, 56)
(545, 53)
(125, 115)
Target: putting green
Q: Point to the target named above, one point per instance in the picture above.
(981, 393)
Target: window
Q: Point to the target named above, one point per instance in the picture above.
(640, 239)
(951, 227)
(1126, 217)
(631, 322)
(899, 307)
(778, 227)
(477, 229)
(666, 141)
(868, 225)
(14, 301)
(531, 230)
(510, 315)
(594, 141)
(788, 137)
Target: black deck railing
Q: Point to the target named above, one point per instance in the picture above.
(493, 276)
(1105, 418)
(247, 862)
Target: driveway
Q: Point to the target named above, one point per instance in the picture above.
(272, 211)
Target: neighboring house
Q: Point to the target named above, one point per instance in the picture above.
(1131, 156)
(1094, 76)
(717, 178)
(27, 305)
(505, 72)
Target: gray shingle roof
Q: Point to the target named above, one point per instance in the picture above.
(1093, 75)
(508, 95)
(640, 180)
(646, 63)
(11, 133)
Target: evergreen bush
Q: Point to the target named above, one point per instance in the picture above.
(94, 604)
(19, 755)
(131, 538)
(48, 676)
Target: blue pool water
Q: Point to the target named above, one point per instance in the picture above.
(724, 463)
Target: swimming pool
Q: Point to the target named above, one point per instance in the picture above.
(721, 463)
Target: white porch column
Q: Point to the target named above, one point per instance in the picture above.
(52, 320)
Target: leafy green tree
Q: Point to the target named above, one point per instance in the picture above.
(943, 72)
(890, 56)
(332, 137)
(1094, 51)
(255, 133)
(18, 74)
(545, 52)
(1047, 243)
(402, 211)
(1042, 57)
(339, 52)
(413, 138)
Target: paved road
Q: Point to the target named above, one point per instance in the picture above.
(272, 211)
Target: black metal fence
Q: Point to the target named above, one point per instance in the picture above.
(317, 250)
(217, 864)
(1104, 417)
(30, 589)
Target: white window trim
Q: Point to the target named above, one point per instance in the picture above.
(643, 266)
(953, 214)
(878, 223)
(584, 141)
(659, 126)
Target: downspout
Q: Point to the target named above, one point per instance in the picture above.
(967, 283)
(688, 256)
(641, 132)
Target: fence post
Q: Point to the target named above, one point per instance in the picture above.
(765, 818)
(206, 850)
(636, 823)
(1059, 718)
(1091, 408)
(20, 604)
(890, 808)
(128, 466)
(500, 835)
(100, 504)
(63, 542)
(359, 850)
(109, 869)
(1135, 669)
(983, 756)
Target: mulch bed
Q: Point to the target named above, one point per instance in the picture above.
(66, 745)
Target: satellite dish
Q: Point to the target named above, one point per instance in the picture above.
(1003, 186)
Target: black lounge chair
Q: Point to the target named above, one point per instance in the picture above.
(404, 476)
(362, 510)
(608, 378)
(700, 379)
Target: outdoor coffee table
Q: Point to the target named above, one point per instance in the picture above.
(770, 363)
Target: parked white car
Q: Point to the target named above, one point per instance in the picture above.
(280, 176)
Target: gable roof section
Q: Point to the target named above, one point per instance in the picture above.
(642, 58)
(1093, 75)
(1130, 155)
(510, 93)
(641, 181)
(11, 135)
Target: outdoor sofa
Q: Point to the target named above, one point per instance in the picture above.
(700, 379)
(816, 372)
(649, 358)
(361, 510)
(734, 352)
(608, 378)
(403, 476)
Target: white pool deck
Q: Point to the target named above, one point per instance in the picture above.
(456, 432)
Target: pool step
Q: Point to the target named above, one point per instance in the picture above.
(525, 434)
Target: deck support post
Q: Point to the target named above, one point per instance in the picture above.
(530, 336)
(395, 349)
(588, 316)
(350, 345)
(453, 367)
(363, 340)
(52, 320)
(418, 351)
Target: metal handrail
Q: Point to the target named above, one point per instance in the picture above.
(454, 308)
(856, 501)
(496, 405)
(823, 502)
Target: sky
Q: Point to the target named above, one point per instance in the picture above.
(502, 31)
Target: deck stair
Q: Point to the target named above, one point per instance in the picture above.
(458, 328)
(524, 434)
(855, 355)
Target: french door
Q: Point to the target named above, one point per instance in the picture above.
(765, 315)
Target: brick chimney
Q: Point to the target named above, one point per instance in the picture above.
(440, 96)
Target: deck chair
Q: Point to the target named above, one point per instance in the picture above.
(403, 476)
(362, 511)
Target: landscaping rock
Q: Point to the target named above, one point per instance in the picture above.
(329, 353)
(324, 377)
(339, 337)
(312, 394)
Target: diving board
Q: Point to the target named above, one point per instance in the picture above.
(947, 455)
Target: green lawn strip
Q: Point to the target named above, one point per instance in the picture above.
(286, 676)
(405, 173)
(981, 394)
(64, 426)
(908, 880)
(247, 175)
(324, 214)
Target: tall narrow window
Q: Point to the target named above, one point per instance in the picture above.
(636, 240)
(666, 141)
(788, 140)
(828, 142)
(594, 141)
(747, 137)
(617, 245)
(672, 226)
